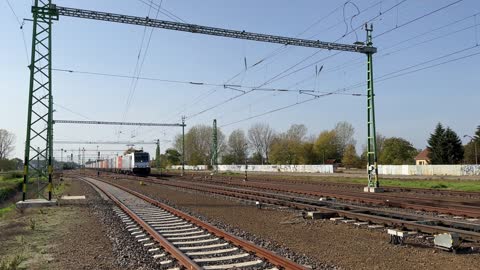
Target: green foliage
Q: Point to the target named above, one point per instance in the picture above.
(350, 158)
(8, 165)
(12, 263)
(309, 156)
(32, 224)
(256, 158)
(173, 156)
(397, 151)
(198, 144)
(9, 186)
(326, 146)
(469, 156)
(445, 146)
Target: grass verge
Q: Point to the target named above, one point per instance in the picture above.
(458, 185)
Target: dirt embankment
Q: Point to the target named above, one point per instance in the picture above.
(75, 235)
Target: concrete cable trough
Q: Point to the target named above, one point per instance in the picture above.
(179, 240)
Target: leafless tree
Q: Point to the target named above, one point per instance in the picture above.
(296, 132)
(7, 140)
(344, 132)
(261, 136)
(237, 146)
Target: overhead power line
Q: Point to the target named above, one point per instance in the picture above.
(418, 18)
(296, 64)
(192, 83)
(380, 79)
(117, 123)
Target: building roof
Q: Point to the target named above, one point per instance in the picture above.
(423, 155)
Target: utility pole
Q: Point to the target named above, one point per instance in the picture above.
(372, 169)
(157, 154)
(83, 159)
(214, 147)
(246, 163)
(38, 141)
(183, 145)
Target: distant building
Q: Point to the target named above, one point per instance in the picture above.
(422, 158)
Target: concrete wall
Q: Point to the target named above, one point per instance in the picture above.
(191, 168)
(265, 168)
(278, 168)
(453, 170)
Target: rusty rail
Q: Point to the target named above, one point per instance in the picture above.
(253, 195)
(247, 246)
(176, 253)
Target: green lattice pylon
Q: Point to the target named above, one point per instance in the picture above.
(214, 146)
(372, 168)
(39, 138)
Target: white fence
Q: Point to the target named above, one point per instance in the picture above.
(191, 167)
(425, 170)
(264, 168)
(278, 168)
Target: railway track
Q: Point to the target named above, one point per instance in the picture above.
(443, 205)
(179, 240)
(415, 222)
(336, 185)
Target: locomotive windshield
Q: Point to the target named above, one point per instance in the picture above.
(141, 157)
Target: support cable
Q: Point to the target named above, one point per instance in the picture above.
(20, 24)
(379, 79)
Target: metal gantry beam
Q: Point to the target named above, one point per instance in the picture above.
(206, 30)
(104, 142)
(40, 122)
(117, 123)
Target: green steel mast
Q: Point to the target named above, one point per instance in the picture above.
(39, 138)
(214, 146)
(372, 168)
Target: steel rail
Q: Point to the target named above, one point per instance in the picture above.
(176, 253)
(260, 252)
(350, 185)
(451, 207)
(412, 225)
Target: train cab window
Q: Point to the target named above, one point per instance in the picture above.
(141, 157)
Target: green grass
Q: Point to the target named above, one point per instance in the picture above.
(6, 209)
(460, 185)
(12, 263)
(9, 187)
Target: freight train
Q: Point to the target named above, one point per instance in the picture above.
(137, 162)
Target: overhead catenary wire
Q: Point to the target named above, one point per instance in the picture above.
(301, 61)
(418, 18)
(388, 31)
(162, 10)
(20, 24)
(356, 86)
(278, 51)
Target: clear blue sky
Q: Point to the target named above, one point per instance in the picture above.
(407, 106)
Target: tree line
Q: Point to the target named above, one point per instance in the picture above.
(261, 144)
